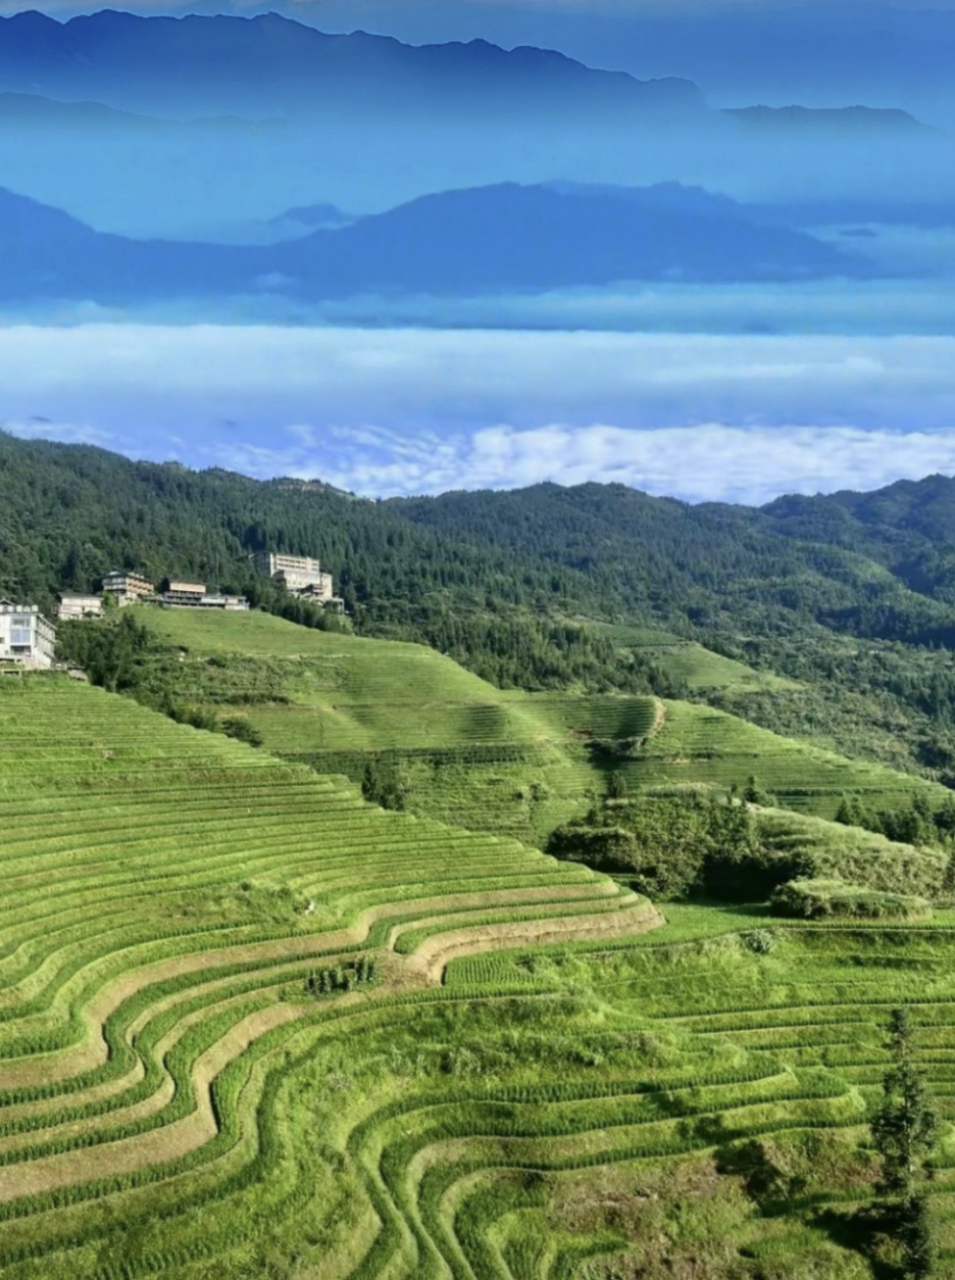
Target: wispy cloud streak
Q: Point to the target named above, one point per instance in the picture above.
(402, 411)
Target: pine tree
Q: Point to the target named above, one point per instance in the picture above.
(905, 1126)
(844, 813)
(903, 1132)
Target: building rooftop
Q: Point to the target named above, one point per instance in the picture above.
(10, 606)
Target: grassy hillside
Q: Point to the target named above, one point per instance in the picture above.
(513, 763)
(469, 753)
(226, 1049)
(167, 895)
(693, 665)
(699, 744)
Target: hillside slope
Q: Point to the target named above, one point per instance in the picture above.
(512, 584)
(168, 893)
(600, 549)
(224, 1050)
(414, 724)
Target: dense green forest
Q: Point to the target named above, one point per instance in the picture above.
(852, 595)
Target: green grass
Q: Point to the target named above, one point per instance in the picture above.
(166, 894)
(513, 763)
(695, 666)
(702, 745)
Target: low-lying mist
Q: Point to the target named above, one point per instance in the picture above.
(408, 411)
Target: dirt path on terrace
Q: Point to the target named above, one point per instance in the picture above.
(434, 955)
(93, 1052)
(158, 1145)
(172, 1141)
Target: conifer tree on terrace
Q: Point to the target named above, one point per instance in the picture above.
(904, 1131)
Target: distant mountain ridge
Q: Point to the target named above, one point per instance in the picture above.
(204, 127)
(922, 510)
(497, 239)
(222, 65)
(34, 110)
(797, 214)
(811, 120)
(809, 51)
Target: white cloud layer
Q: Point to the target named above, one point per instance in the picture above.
(387, 412)
(709, 462)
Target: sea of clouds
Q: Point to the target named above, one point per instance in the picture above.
(400, 411)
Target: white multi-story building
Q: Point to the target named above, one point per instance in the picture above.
(128, 587)
(26, 637)
(301, 575)
(72, 605)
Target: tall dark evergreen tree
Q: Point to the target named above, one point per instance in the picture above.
(904, 1131)
(905, 1126)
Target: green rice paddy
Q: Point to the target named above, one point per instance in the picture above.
(540, 1075)
(515, 763)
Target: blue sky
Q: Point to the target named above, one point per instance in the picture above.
(384, 412)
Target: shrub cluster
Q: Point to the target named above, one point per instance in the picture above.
(383, 785)
(916, 824)
(678, 847)
(819, 899)
(762, 942)
(328, 982)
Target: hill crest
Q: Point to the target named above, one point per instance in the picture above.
(127, 60)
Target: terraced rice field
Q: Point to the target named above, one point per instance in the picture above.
(763, 1067)
(514, 763)
(702, 745)
(166, 894)
(537, 1082)
(471, 754)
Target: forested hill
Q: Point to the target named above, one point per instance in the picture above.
(830, 561)
(851, 595)
(878, 565)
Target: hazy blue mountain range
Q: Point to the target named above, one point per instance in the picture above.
(499, 239)
(818, 212)
(227, 179)
(270, 64)
(205, 128)
(814, 53)
(249, 133)
(825, 120)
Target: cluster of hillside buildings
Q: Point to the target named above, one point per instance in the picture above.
(28, 639)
